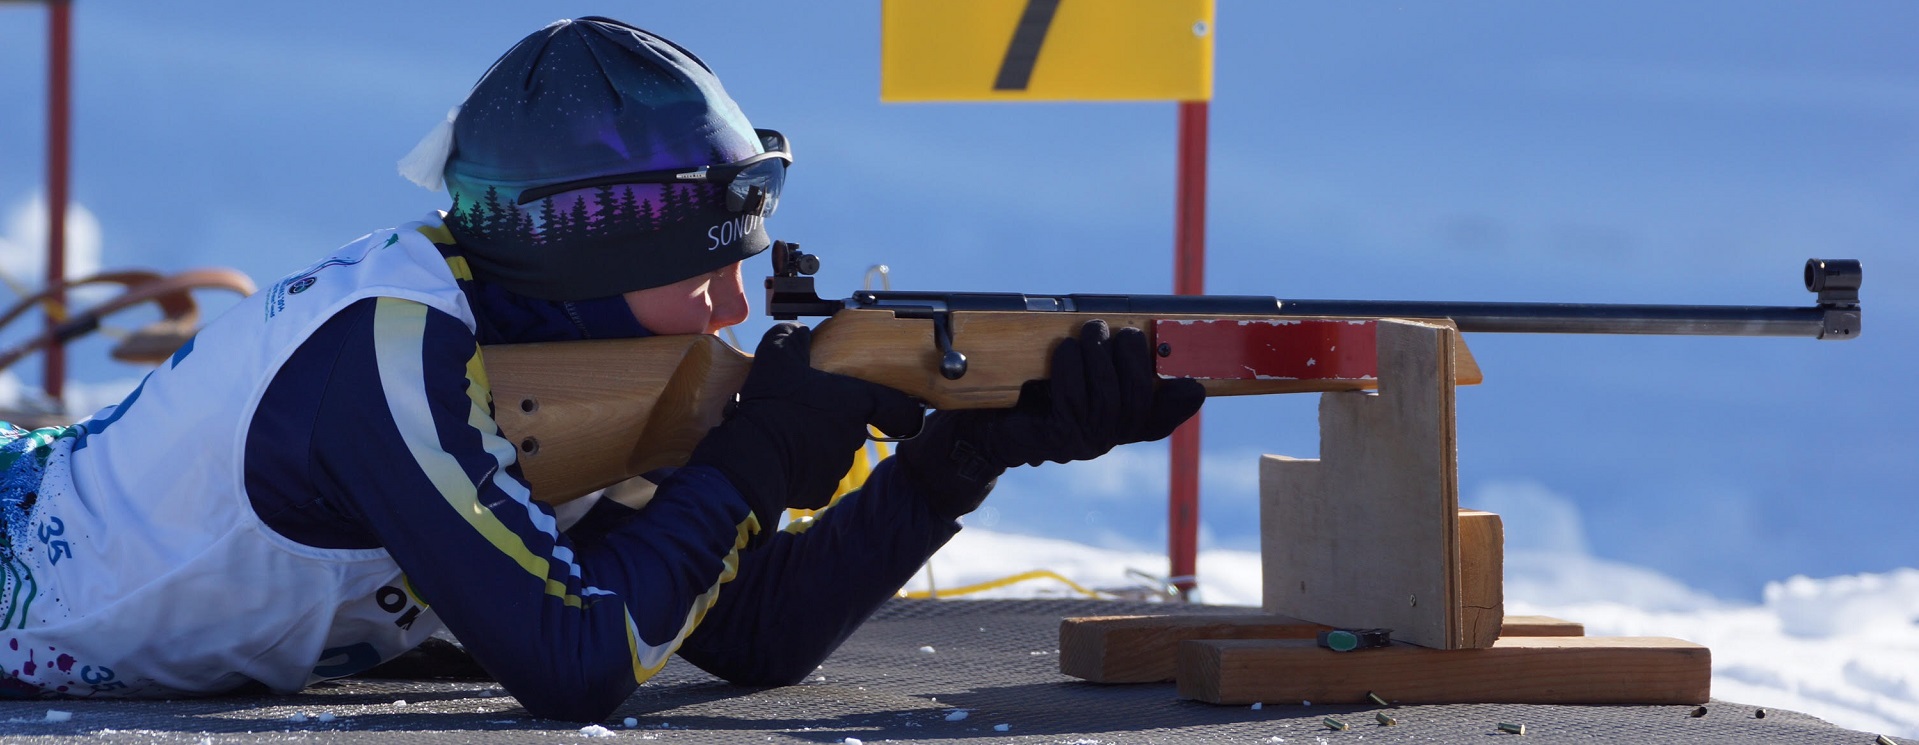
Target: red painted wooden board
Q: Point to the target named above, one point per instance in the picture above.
(1277, 349)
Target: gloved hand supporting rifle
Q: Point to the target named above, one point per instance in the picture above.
(1103, 393)
(793, 434)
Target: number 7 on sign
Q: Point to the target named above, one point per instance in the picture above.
(1016, 68)
(1095, 50)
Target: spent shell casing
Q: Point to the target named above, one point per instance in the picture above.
(1884, 740)
(1332, 723)
(1385, 721)
(1517, 729)
(1376, 699)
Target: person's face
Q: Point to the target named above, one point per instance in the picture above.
(695, 305)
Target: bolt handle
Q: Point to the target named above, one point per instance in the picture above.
(952, 362)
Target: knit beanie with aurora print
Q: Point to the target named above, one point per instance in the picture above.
(586, 98)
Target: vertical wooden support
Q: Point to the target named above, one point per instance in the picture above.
(1368, 535)
(1482, 588)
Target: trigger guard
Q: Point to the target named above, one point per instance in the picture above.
(916, 433)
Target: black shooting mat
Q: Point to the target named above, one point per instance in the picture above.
(996, 659)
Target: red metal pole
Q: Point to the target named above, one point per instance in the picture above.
(59, 123)
(1189, 278)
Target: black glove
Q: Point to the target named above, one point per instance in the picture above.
(794, 431)
(1103, 393)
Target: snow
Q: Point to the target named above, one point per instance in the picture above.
(956, 715)
(1844, 649)
(23, 252)
(56, 715)
(23, 238)
(594, 730)
(81, 398)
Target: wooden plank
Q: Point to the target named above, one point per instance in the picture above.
(1482, 598)
(1538, 670)
(1541, 626)
(1367, 536)
(1142, 649)
(1145, 649)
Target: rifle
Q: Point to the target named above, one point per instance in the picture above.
(589, 414)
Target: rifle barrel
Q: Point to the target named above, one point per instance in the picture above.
(1577, 318)
(1836, 315)
(1486, 317)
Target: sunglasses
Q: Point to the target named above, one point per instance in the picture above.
(752, 185)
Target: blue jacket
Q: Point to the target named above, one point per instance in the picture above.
(325, 465)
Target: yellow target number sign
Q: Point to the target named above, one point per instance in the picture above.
(1046, 50)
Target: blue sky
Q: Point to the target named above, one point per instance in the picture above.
(1630, 152)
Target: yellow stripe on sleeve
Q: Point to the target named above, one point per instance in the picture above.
(399, 331)
(647, 665)
(436, 233)
(399, 327)
(458, 265)
(441, 236)
(478, 389)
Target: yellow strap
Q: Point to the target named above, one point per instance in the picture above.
(1003, 582)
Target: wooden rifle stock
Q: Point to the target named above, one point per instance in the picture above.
(589, 414)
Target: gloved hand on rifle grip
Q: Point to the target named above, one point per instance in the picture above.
(795, 430)
(1104, 392)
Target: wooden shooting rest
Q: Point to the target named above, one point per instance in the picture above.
(1371, 536)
